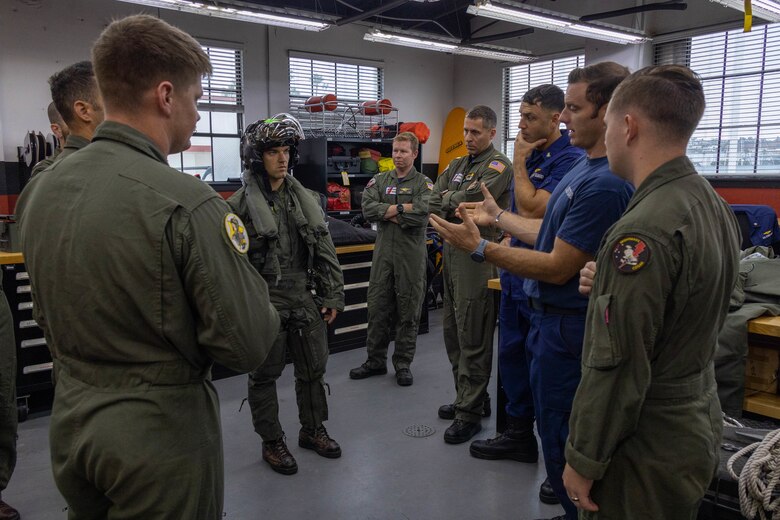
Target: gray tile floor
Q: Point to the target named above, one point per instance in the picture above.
(382, 475)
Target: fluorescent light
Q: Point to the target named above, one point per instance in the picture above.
(479, 51)
(234, 14)
(767, 9)
(555, 22)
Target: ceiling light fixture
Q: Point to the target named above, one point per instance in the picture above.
(767, 9)
(479, 51)
(551, 21)
(231, 13)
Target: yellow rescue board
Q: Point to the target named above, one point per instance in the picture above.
(452, 144)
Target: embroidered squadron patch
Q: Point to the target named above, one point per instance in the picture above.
(430, 185)
(630, 254)
(371, 182)
(236, 233)
(498, 166)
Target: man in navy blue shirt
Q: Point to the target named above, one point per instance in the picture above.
(542, 156)
(587, 201)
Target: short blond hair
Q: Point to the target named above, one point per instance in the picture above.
(136, 53)
(409, 138)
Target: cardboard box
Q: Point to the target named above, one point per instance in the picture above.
(761, 369)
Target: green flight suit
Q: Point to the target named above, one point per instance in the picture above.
(469, 306)
(140, 280)
(8, 410)
(756, 293)
(646, 422)
(283, 257)
(398, 266)
(73, 144)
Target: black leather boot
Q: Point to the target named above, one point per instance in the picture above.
(518, 442)
(276, 454)
(546, 493)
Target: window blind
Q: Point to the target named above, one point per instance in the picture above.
(739, 134)
(350, 82)
(521, 78)
(225, 85)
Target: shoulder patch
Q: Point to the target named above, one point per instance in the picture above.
(236, 233)
(371, 182)
(498, 166)
(429, 184)
(630, 254)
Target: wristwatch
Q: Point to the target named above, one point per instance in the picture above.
(400, 208)
(479, 253)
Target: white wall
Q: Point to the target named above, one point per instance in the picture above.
(36, 42)
(479, 82)
(634, 57)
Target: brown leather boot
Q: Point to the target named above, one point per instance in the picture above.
(7, 512)
(276, 454)
(319, 441)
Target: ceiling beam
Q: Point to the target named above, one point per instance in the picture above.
(672, 5)
(459, 5)
(500, 36)
(371, 12)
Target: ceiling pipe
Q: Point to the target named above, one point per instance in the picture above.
(663, 6)
(371, 12)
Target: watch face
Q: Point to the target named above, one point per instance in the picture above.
(478, 257)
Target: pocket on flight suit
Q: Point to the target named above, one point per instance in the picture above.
(405, 197)
(602, 352)
(473, 324)
(311, 350)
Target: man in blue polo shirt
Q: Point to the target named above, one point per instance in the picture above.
(542, 156)
(587, 201)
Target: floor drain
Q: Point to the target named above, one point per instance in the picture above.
(419, 430)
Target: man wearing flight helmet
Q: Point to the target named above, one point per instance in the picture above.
(291, 248)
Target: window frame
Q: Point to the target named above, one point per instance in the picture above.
(354, 81)
(210, 91)
(715, 79)
(519, 79)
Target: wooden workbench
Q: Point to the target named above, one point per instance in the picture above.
(761, 403)
(17, 258)
(11, 258)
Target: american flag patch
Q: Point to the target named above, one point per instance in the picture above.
(498, 166)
